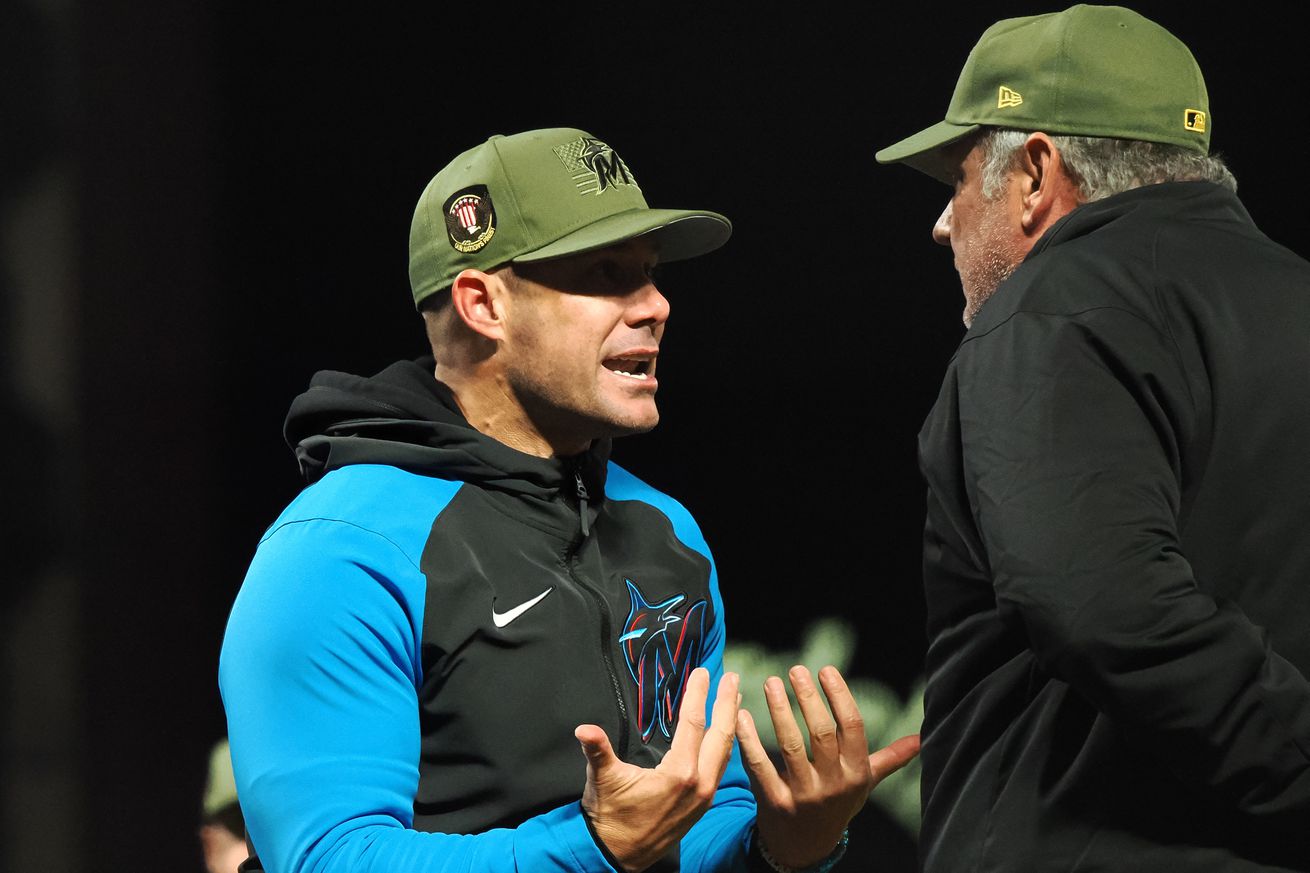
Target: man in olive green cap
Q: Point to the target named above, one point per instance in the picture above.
(469, 590)
(1116, 550)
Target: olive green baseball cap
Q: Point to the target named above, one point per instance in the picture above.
(1087, 71)
(536, 196)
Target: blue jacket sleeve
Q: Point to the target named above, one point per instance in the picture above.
(719, 842)
(318, 673)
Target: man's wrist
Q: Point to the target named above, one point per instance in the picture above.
(600, 844)
(771, 863)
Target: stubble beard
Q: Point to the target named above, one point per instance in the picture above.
(994, 256)
(565, 410)
(981, 284)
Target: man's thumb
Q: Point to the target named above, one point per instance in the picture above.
(595, 745)
(889, 759)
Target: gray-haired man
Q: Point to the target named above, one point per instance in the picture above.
(1116, 553)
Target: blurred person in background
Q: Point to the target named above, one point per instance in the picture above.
(222, 829)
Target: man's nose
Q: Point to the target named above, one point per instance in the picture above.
(941, 231)
(649, 306)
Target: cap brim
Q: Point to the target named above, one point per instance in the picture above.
(923, 150)
(678, 234)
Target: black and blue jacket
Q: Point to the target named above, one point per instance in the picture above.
(425, 625)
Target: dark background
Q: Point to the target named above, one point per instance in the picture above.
(238, 181)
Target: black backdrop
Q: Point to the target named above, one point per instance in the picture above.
(246, 177)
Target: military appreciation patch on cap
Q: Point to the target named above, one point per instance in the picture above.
(594, 165)
(470, 218)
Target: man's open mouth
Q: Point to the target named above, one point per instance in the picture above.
(633, 368)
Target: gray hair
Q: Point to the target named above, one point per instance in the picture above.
(1103, 166)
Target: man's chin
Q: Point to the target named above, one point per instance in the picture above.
(636, 427)
(628, 423)
(973, 304)
(979, 288)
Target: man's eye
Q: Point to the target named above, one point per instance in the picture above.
(609, 272)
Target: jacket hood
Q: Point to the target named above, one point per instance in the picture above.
(404, 417)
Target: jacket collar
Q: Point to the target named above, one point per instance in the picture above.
(405, 418)
(1177, 201)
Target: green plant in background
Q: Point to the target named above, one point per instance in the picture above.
(886, 715)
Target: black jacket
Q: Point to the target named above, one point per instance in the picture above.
(1117, 552)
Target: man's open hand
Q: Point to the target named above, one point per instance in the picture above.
(802, 812)
(639, 813)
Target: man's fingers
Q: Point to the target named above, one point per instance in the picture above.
(758, 765)
(893, 757)
(716, 747)
(852, 740)
(691, 719)
(791, 743)
(596, 746)
(823, 730)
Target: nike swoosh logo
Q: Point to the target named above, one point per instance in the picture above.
(503, 618)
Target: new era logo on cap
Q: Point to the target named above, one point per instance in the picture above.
(1008, 97)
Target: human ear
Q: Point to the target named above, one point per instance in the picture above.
(478, 300)
(1046, 190)
(1033, 173)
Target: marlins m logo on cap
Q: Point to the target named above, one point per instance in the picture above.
(594, 165)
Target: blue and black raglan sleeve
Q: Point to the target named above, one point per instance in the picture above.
(319, 676)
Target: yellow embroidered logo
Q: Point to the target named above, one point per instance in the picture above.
(1008, 97)
(1194, 120)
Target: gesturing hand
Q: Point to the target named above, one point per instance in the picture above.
(801, 813)
(639, 813)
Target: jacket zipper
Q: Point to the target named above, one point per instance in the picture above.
(571, 558)
(583, 497)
